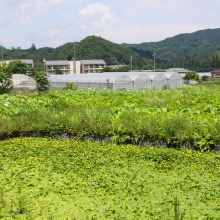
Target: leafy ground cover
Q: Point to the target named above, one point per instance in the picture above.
(187, 117)
(44, 178)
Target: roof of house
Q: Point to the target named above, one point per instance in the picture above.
(87, 62)
(215, 71)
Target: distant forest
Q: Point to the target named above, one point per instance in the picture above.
(198, 51)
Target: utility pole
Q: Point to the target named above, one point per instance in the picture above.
(154, 55)
(74, 59)
(2, 51)
(131, 62)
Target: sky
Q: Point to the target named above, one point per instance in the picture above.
(51, 23)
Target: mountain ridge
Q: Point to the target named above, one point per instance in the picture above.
(200, 48)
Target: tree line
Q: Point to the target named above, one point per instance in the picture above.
(199, 51)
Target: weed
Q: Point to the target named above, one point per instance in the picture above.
(177, 213)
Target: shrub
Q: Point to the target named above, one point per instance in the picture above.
(5, 79)
(43, 84)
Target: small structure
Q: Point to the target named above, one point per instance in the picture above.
(215, 73)
(22, 82)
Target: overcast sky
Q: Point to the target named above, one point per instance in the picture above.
(55, 22)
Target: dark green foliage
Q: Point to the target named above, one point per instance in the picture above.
(18, 67)
(144, 53)
(191, 75)
(58, 71)
(204, 78)
(199, 51)
(123, 69)
(108, 69)
(32, 48)
(91, 47)
(5, 79)
(43, 84)
(186, 50)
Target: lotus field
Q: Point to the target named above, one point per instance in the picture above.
(99, 154)
(187, 117)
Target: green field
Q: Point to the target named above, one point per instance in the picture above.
(53, 170)
(65, 179)
(182, 118)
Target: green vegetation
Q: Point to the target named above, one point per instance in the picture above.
(197, 51)
(5, 78)
(58, 71)
(191, 75)
(91, 47)
(71, 85)
(66, 179)
(43, 84)
(108, 69)
(183, 118)
(84, 170)
(18, 67)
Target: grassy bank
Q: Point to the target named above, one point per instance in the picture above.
(187, 117)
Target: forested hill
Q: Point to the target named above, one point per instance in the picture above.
(199, 45)
(198, 50)
(92, 47)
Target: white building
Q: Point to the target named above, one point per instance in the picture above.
(67, 67)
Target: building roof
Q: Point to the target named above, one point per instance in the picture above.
(27, 61)
(215, 71)
(110, 76)
(179, 70)
(87, 62)
(56, 62)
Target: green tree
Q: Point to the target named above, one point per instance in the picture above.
(32, 48)
(58, 71)
(43, 84)
(123, 69)
(5, 79)
(18, 67)
(108, 69)
(191, 75)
